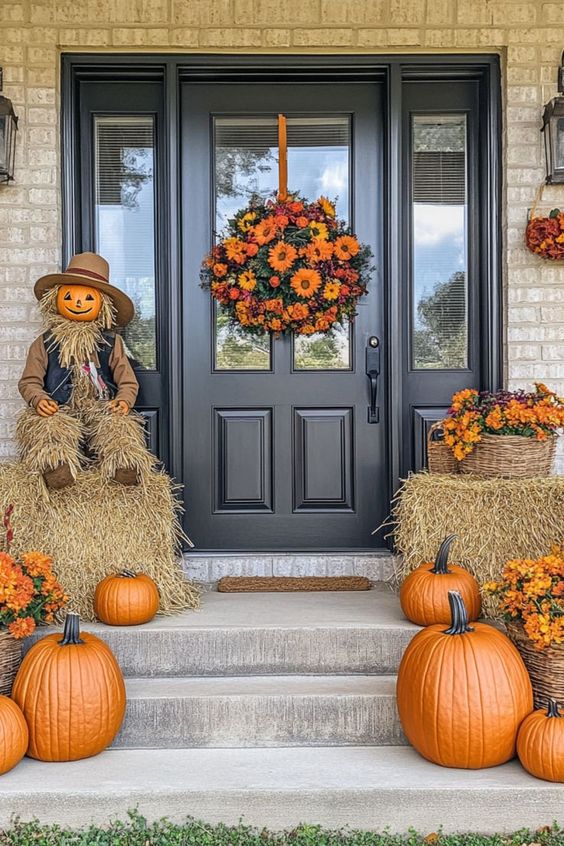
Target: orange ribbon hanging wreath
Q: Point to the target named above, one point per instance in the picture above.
(282, 159)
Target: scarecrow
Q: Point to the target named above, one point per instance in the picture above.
(78, 382)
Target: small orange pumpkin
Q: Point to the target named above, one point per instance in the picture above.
(14, 735)
(424, 593)
(463, 692)
(126, 599)
(540, 743)
(72, 694)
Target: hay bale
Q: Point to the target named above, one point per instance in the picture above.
(97, 527)
(495, 520)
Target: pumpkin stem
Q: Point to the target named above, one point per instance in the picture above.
(440, 568)
(127, 574)
(553, 710)
(458, 615)
(71, 631)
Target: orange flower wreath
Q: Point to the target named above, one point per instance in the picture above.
(287, 265)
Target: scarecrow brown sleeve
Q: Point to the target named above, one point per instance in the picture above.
(30, 385)
(123, 373)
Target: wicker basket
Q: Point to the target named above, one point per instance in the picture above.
(510, 456)
(10, 659)
(545, 666)
(439, 456)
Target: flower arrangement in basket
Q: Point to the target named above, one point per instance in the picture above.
(530, 596)
(509, 433)
(29, 595)
(287, 265)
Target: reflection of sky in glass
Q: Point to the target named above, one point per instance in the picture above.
(311, 170)
(126, 240)
(439, 250)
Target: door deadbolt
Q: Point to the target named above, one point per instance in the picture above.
(373, 342)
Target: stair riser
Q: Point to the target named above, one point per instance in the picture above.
(253, 721)
(239, 652)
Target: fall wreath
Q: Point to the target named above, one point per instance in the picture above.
(545, 235)
(287, 265)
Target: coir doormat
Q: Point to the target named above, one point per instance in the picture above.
(266, 584)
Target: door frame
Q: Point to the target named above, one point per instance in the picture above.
(173, 69)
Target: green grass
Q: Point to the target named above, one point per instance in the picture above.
(138, 832)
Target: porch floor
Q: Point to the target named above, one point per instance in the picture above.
(304, 675)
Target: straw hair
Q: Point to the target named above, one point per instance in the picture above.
(495, 520)
(98, 527)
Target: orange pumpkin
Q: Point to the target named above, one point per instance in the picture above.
(79, 302)
(540, 743)
(126, 599)
(463, 692)
(14, 735)
(424, 593)
(72, 694)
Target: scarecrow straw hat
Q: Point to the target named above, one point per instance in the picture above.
(89, 269)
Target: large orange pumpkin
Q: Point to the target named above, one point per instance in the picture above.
(463, 692)
(14, 735)
(126, 599)
(72, 694)
(424, 593)
(540, 743)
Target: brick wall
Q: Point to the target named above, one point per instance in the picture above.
(33, 33)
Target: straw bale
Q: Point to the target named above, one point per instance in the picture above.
(96, 527)
(495, 520)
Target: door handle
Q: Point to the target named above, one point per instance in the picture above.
(373, 371)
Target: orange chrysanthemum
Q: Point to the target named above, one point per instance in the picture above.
(21, 627)
(299, 311)
(346, 246)
(282, 256)
(219, 269)
(265, 231)
(305, 282)
(235, 250)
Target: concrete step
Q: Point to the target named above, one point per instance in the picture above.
(208, 569)
(341, 633)
(261, 711)
(362, 787)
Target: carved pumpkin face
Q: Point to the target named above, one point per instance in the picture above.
(79, 302)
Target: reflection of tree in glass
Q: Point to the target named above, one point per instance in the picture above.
(236, 350)
(237, 163)
(319, 352)
(441, 339)
(140, 337)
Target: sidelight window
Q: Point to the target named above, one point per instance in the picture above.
(439, 260)
(124, 220)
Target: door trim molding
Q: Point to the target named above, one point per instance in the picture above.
(321, 67)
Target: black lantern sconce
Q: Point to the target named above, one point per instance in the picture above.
(553, 130)
(8, 130)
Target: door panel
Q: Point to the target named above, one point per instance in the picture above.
(281, 427)
(243, 459)
(323, 459)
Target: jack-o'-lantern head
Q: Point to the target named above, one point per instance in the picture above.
(79, 302)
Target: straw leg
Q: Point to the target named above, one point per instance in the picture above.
(118, 441)
(44, 443)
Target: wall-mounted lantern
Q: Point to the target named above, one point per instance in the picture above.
(553, 130)
(8, 130)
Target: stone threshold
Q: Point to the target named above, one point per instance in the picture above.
(207, 568)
